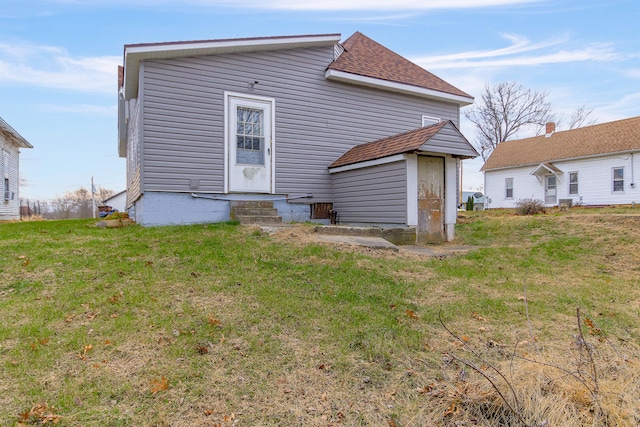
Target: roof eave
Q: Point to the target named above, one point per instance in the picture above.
(135, 54)
(14, 136)
(360, 80)
(566, 159)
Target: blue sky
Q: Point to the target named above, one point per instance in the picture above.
(59, 58)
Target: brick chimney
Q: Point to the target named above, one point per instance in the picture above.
(551, 128)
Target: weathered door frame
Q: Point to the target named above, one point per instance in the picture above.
(431, 196)
(248, 178)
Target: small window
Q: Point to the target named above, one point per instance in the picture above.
(573, 183)
(429, 120)
(508, 188)
(618, 180)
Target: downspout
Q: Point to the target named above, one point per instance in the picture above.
(633, 184)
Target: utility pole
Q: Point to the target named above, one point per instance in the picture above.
(93, 198)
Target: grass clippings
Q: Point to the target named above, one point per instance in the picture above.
(221, 325)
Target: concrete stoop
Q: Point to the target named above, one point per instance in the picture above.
(395, 235)
(254, 212)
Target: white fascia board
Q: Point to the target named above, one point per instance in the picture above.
(341, 76)
(135, 54)
(369, 163)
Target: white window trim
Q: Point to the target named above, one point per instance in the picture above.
(431, 120)
(506, 180)
(577, 183)
(613, 180)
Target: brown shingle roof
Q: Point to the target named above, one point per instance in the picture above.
(612, 137)
(397, 144)
(365, 57)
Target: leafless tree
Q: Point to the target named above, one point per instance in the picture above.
(78, 203)
(505, 109)
(580, 117)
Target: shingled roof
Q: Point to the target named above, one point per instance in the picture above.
(613, 137)
(365, 57)
(398, 144)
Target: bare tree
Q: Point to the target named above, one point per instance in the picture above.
(580, 117)
(505, 109)
(78, 203)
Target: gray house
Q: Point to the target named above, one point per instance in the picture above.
(315, 128)
(10, 144)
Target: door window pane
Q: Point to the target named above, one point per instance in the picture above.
(250, 136)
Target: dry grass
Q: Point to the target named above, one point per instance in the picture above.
(222, 325)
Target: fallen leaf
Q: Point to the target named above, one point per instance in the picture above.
(69, 318)
(214, 321)
(26, 262)
(411, 314)
(92, 316)
(159, 385)
(87, 348)
(477, 316)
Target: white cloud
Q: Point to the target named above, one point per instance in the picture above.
(54, 67)
(521, 52)
(83, 109)
(383, 4)
(326, 5)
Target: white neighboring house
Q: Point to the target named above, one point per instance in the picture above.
(593, 165)
(117, 201)
(10, 144)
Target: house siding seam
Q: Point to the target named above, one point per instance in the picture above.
(374, 194)
(594, 182)
(316, 120)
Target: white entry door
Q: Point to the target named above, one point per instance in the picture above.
(249, 139)
(550, 190)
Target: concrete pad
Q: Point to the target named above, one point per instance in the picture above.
(438, 251)
(363, 241)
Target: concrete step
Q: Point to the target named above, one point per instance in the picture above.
(251, 204)
(256, 219)
(255, 211)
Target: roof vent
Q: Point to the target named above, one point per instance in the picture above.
(551, 128)
(338, 50)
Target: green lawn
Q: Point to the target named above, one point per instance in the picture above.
(220, 325)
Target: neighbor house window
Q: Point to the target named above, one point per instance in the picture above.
(573, 183)
(508, 184)
(618, 179)
(429, 120)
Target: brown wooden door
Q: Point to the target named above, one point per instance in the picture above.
(430, 200)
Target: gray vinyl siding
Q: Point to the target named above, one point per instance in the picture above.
(376, 194)
(316, 120)
(133, 153)
(448, 141)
